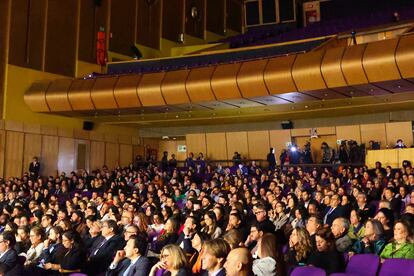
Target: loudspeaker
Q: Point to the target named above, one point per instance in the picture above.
(287, 125)
(88, 125)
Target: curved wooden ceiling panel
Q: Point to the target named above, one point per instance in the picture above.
(379, 61)
(250, 79)
(198, 84)
(331, 67)
(405, 56)
(79, 94)
(57, 95)
(278, 75)
(125, 91)
(173, 87)
(306, 71)
(351, 64)
(35, 97)
(224, 81)
(149, 89)
(102, 93)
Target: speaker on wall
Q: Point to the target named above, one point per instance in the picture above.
(287, 125)
(87, 125)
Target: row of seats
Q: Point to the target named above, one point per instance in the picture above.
(364, 265)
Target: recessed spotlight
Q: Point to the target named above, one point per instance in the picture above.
(176, 116)
(306, 106)
(292, 107)
(351, 92)
(372, 90)
(399, 86)
(326, 94)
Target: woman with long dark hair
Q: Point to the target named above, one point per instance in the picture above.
(75, 256)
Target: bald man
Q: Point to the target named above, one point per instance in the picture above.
(239, 262)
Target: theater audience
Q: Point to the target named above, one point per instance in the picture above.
(326, 250)
(373, 241)
(403, 245)
(173, 262)
(8, 256)
(340, 228)
(214, 256)
(131, 260)
(100, 222)
(239, 262)
(300, 247)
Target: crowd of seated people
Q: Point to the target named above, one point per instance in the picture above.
(215, 220)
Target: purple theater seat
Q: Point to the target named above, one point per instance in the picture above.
(308, 271)
(78, 274)
(397, 267)
(361, 265)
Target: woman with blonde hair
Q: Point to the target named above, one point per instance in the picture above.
(300, 247)
(173, 262)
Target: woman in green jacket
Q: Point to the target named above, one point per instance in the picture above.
(402, 246)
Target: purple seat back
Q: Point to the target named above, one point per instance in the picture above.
(397, 267)
(78, 274)
(159, 272)
(308, 271)
(363, 264)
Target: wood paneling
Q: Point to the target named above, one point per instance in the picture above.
(386, 157)
(168, 146)
(82, 154)
(81, 134)
(87, 32)
(36, 34)
(195, 23)
(123, 23)
(66, 159)
(2, 149)
(234, 15)
(31, 128)
(96, 136)
(125, 155)
(97, 155)
(61, 37)
(18, 31)
(196, 143)
(349, 133)
(216, 146)
(65, 132)
(50, 155)
(237, 141)
(32, 148)
(5, 18)
(374, 132)
(399, 130)
(149, 23)
(173, 20)
(216, 16)
(49, 130)
(111, 155)
(14, 126)
(258, 144)
(278, 139)
(14, 154)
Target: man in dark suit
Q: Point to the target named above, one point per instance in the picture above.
(34, 168)
(184, 240)
(130, 261)
(101, 258)
(334, 211)
(8, 256)
(214, 257)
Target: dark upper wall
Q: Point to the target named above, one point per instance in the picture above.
(52, 35)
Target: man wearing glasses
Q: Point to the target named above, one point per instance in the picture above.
(8, 256)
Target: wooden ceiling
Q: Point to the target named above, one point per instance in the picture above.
(363, 78)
